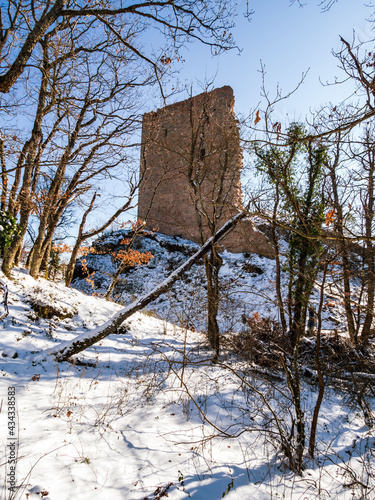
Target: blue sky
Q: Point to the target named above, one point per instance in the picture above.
(289, 40)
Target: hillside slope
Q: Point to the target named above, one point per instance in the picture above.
(145, 412)
(247, 283)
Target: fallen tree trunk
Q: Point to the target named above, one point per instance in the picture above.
(67, 349)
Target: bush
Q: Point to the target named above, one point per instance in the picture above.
(8, 229)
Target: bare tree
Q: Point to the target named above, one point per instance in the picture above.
(89, 107)
(27, 168)
(30, 21)
(295, 175)
(213, 177)
(96, 146)
(68, 349)
(354, 223)
(367, 197)
(89, 63)
(341, 234)
(85, 235)
(191, 153)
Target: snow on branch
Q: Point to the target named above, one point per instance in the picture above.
(67, 349)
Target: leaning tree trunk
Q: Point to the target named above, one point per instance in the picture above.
(67, 349)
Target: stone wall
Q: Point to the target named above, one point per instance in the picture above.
(191, 163)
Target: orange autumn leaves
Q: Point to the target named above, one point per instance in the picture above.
(131, 258)
(330, 217)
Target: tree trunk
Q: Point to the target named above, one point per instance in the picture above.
(369, 250)
(343, 246)
(31, 156)
(11, 252)
(65, 350)
(80, 237)
(24, 196)
(275, 241)
(4, 177)
(370, 277)
(72, 261)
(44, 266)
(84, 236)
(17, 258)
(8, 79)
(302, 292)
(318, 365)
(114, 281)
(213, 263)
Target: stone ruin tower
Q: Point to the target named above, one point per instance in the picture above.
(191, 162)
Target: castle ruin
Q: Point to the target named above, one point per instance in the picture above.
(191, 162)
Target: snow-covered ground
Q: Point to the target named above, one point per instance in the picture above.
(145, 412)
(247, 283)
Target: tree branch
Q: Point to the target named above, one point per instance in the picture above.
(65, 350)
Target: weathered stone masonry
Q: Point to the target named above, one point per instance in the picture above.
(191, 162)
